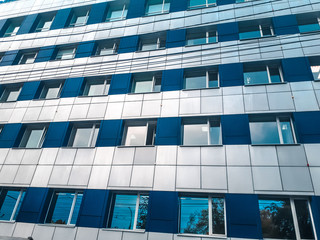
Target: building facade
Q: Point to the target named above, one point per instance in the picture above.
(159, 119)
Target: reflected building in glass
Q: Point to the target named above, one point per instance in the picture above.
(159, 119)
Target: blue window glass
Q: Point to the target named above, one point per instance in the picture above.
(201, 3)
(304, 219)
(129, 211)
(286, 131)
(116, 13)
(261, 75)
(201, 36)
(308, 23)
(157, 6)
(253, 30)
(64, 208)
(10, 202)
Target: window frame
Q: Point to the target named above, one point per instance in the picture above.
(202, 5)
(159, 41)
(9, 89)
(154, 78)
(160, 12)
(66, 48)
(46, 86)
(14, 211)
(42, 29)
(260, 26)
(209, 197)
(72, 136)
(106, 83)
(317, 20)
(13, 33)
(76, 192)
(114, 48)
(76, 14)
(207, 33)
(26, 136)
(112, 9)
(25, 54)
(136, 213)
(208, 72)
(267, 67)
(139, 123)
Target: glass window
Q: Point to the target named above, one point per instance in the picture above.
(202, 215)
(27, 58)
(84, 135)
(201, 3)
(241, 1)
(33, 137)
(157, 7)
(254, 30)
(10, 202)
(44, 23)
(308, 23)
(51, 90)
(149, 43)
(79, 17)
(144, 83)
(12, 29)
(272, 130)
(198, 36)
(116, 13)
(285, 218)
(10, 93)
(262, 74)
(129, 211)
(97, 86)
(66, 53)
(195, 79)
(139, 133)
(107, 48)
(315, 68)
(201, 132)
(64, 208)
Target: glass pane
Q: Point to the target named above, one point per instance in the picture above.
(250, 32)
(149, 46)
(212, 1)
(8, 199)
(60, 208)
(196, 38)
(94, 88)
(194, 215)
(136, 136)
(213, 79)
(195, 134)
(218, 226)
(212, 37)
(12, 30)
(82, 137)
(105, 50)
(166, 6)
(19, 205)
(309, 27)
(274, 75)
(266, 31)
(276, 219)
(52, 92)
(123, 212)
(143, 211)
(95, 137)
(154, 6)
(33, 138)
(256, 77)
(116, 14)
(193, 3)
(27, 58)
(264, 133)
(286, 132)
(76, 209)
(142, 86)
(304, 219)
(215, 133)
(194, 82)
(12, 95)
(65, 54)
(316, 72)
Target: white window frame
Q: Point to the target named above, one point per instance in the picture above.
(16, 204)
(118, 19)
(11, 34)
(280, 132)
(72, 136)
(38, 29)
(207, 80)
(269, 76)
(82, 24)
(261, 30)
(65, 48)
(71, 209)
(162, 9)
(140, 124)
(311, 66)
(203, 5)
(41, 140)
(6, 90)
(47, 86)
(209, 197)
(114, 49)
(24, 54)
(106, 82)
(153, 80)
(207, 37)
(158, 43)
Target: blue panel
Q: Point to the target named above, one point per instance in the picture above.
(85, 49)
(168, 131)
(61, 19)
(235, 129)
(128, 44)
(176, 38)
(28, 90)
(243, 218)
(172, 80)
(225, 2)
(163, 212)
(33, 204)
(9, 134)
(97, 13)
(307, 126)
(178, 5)
(285, 25)
(120, 84)
(228, 31)
(297, 69)
(315, 207)
(56, 134)
(71, 87)
(9, 58)
(45, 54)
(3, 26)
(27, 24)
(93, 209)
(231, 75)
(136, 9)
(110, 133)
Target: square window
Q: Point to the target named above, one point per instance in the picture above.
(44, 23)
(201, 36)
(262, 74)
(107, 48)
(64, 208)
(97, 86)
(202, 215)
(157, 7)
(201, 131)
(201, 78)
(12, 29)
(249, 30)
(129, 211)
(286, 218)
(151, 42)
(10, 204)
(66, 53)
(139, 133)
(51, 89)
(33, 137)
(117, 12)
(10, 93)
(272, 130)
(79, 17)
(28, 58)
(84, 135)
(146, 82)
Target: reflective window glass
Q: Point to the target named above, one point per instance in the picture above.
(250, 32)
(10, 202)
(304, 219)
(316, 72)
(65, 53)
(196, 80)
(33, 137)
(44, 23)
(157, 6)
(196, 38)
(107, 48)
(12, 29)
(10, 94)
(97, 87)
(51, 90)
(286, 131)
(275, 76)
(79, 18)
(116, 13)
(136, 135)
(308, 23)
(84, 135)
(148, 82)
(265, 132)
(27, 58)
(259, 75)
(218, 222)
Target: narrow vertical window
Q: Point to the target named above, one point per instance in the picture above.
(10, 202)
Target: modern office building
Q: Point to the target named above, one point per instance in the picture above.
(159, 119)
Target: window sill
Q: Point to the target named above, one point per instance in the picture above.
(77, 147)
(275, 144)
(8, 221)
(132, 93)
(57, 225)
(43, 99)
(311, 32)
(152, 50)
(25, 148)
(316, 80)
(257, 38)
(201, 7)
(201, 44)
(264, 84)
(111, 54)
(193, 89)
(139, 146)
(155, 14)
(123, 230)
(213, 145)
(83, 96)
(202, 236)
